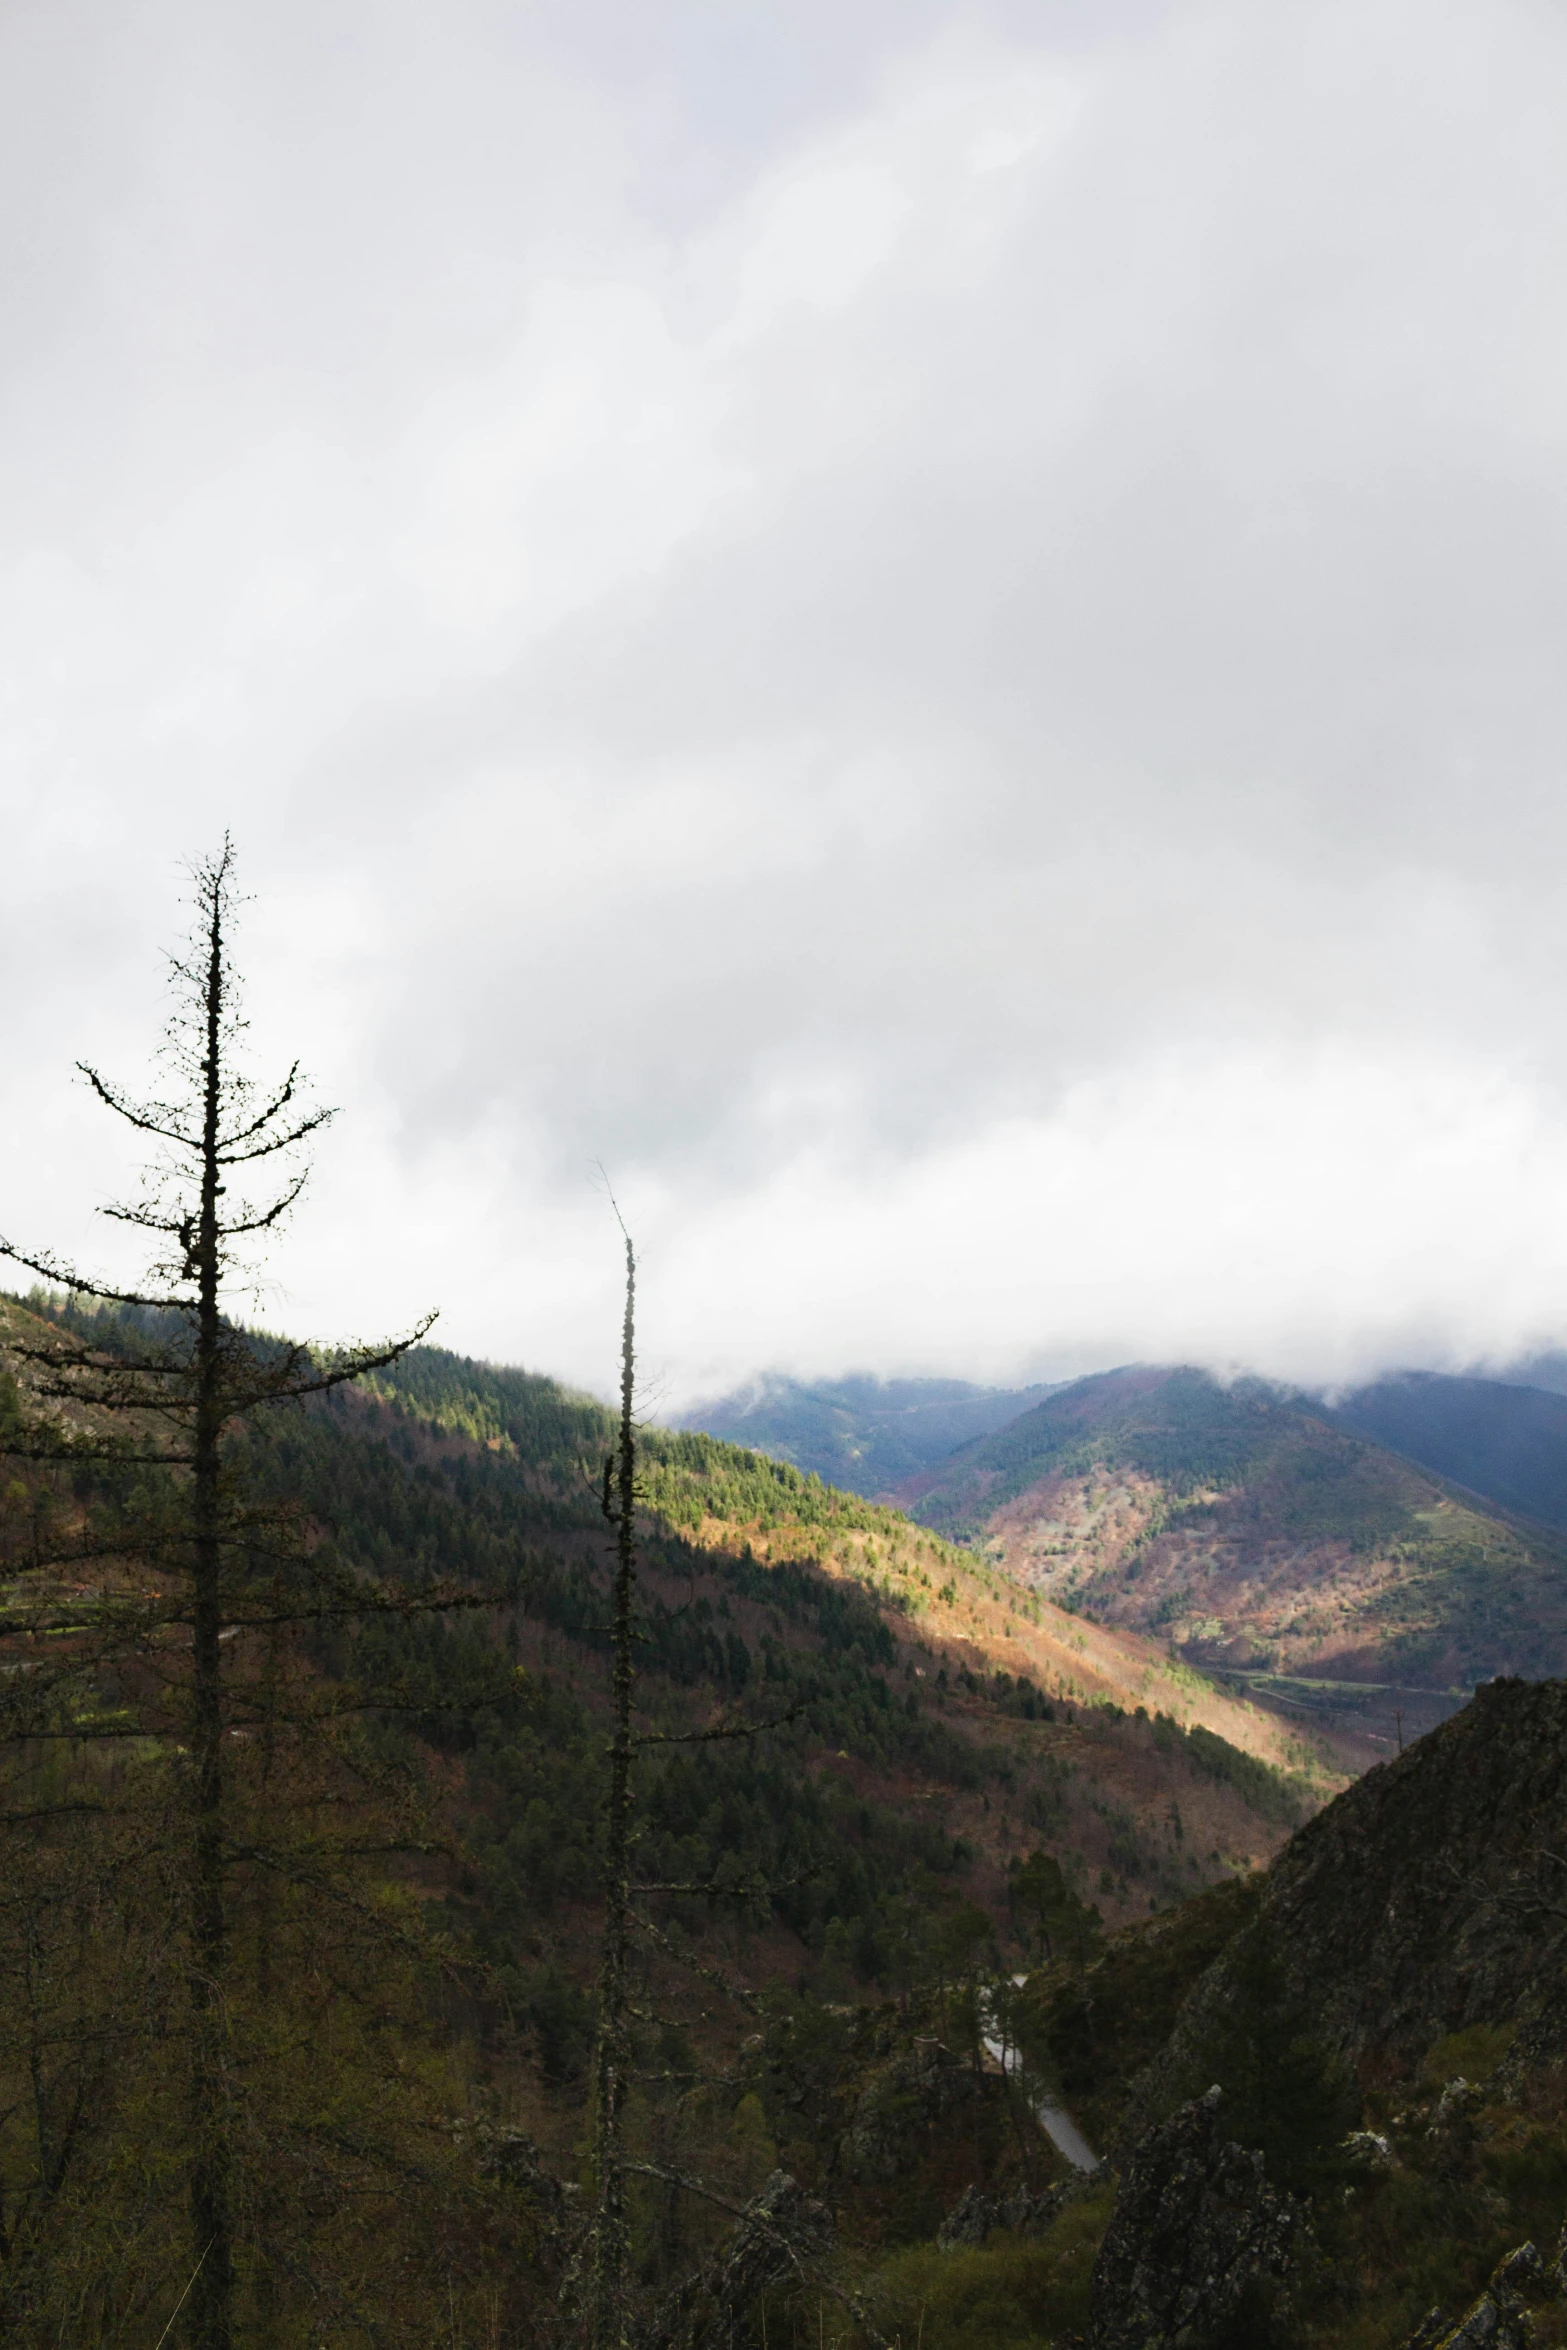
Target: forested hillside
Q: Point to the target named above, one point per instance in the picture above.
(1239, 1525)
(1501, 1439)
(924, 1728)
(919, 1667)
(940, 1792)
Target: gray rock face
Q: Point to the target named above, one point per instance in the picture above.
(1368, 2150)
(1428, 2333)
(1196, 2228)
(978, 2216)
(1430, 1896)
(1499, 2319)
(783, 2232)
(1451, 2133)
(924, 2086)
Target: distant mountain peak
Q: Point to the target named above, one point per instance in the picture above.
(861, 1432)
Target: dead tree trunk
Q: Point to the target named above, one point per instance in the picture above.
(610, 2244)
(213, 2292)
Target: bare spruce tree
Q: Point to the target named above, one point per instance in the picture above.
(613, 2053)
(174, 1394)
(781, 2233)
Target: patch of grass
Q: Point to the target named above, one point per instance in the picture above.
(1014, 2294)
(1527, 2162)
(1413, 2243)
(1471, 2056)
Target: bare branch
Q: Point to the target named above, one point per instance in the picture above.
(719, 1730)
(70, 1354)
(282, 1142)
(745, 1889)
(94, 1452)
(280, 1206)
(52, 1270)
(279, 1101)
(145, 1117)
(736, 1992)
(354, 1367)
(682, 2179)
(147, 1220)
(802, 2260)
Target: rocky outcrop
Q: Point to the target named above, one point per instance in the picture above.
(1501, 2319)
(1368, 2151)
(1197, 2237)
(979, 2216)
(1450, 2134)
(783, 2234)
(901, 2104)
(1429, 1897)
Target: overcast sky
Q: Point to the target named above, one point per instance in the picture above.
(939, 633)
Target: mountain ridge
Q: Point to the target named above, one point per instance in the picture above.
(1499, 1433)
(1256, 1536)
(859, 1432)
(954, 1780)
(442, 1466)
(1504, 1440)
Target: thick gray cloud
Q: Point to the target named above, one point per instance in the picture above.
(934, 631)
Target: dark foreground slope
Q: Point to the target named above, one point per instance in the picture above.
(1430, 1899)
(1401, 1970)
(1334, 2099)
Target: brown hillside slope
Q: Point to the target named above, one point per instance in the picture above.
(469, 1463)
(978, 1613)
(1248, 1535)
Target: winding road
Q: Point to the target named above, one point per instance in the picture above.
(1054, 2120)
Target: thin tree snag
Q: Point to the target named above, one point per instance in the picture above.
(211, 2321)
(613, 2055)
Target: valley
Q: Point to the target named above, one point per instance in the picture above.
(1062, 1720)
(1266, 1541)
(1250, 1533)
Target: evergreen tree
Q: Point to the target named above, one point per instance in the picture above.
(1283, 2093)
